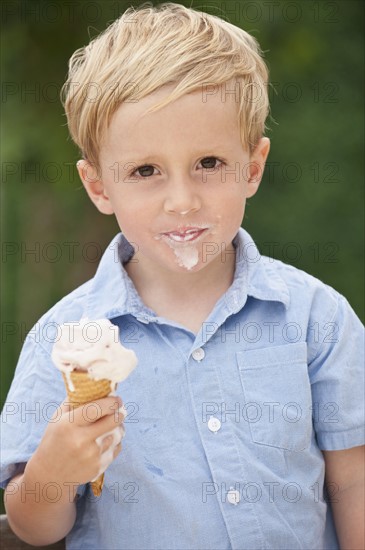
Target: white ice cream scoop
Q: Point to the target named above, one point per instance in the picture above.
(93, 347)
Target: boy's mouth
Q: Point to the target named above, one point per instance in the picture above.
(183, 235)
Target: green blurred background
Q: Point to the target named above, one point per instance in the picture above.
(308, 211)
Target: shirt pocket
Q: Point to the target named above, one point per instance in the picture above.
(277, 395)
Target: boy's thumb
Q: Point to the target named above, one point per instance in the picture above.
(65, 406)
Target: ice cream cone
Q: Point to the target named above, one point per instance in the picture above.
(92, 361)
(81, 390)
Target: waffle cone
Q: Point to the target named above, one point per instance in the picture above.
(85, 390)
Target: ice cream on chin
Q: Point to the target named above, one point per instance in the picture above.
(92, 361)
(187, 257)
(189, 242)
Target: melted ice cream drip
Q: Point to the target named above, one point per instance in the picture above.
(186, 257)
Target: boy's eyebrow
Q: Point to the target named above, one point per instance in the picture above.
(130, 156)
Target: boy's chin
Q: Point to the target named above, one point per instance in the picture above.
(190, 262)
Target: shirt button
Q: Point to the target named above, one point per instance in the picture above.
(233, 496)
(214, 424)
(198, 354)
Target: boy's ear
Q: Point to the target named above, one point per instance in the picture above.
(256, 166)
(92, 181)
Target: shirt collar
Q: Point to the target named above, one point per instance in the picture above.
(112, 292)
(255, 275)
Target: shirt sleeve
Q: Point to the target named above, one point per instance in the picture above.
(337, 375)
(35, 393)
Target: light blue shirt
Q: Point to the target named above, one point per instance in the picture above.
(225, 428)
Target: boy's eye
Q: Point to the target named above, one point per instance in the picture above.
(145, 171)
(209, 162)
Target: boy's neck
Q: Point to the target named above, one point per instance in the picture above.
(163, 290)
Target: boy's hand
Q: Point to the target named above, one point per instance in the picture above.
(77, 443)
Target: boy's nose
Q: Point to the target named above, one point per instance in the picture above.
(182, 198)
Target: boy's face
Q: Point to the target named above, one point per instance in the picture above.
(177, 179)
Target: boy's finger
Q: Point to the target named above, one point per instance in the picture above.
(110, 439)
(106, 425)
(96, 410)
(63, 408)
(117, 450)
(104, 443)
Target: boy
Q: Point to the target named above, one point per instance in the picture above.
(248, 388)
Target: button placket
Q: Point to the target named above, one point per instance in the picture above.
(226, 465)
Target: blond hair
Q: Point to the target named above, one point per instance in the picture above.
(149, 47)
